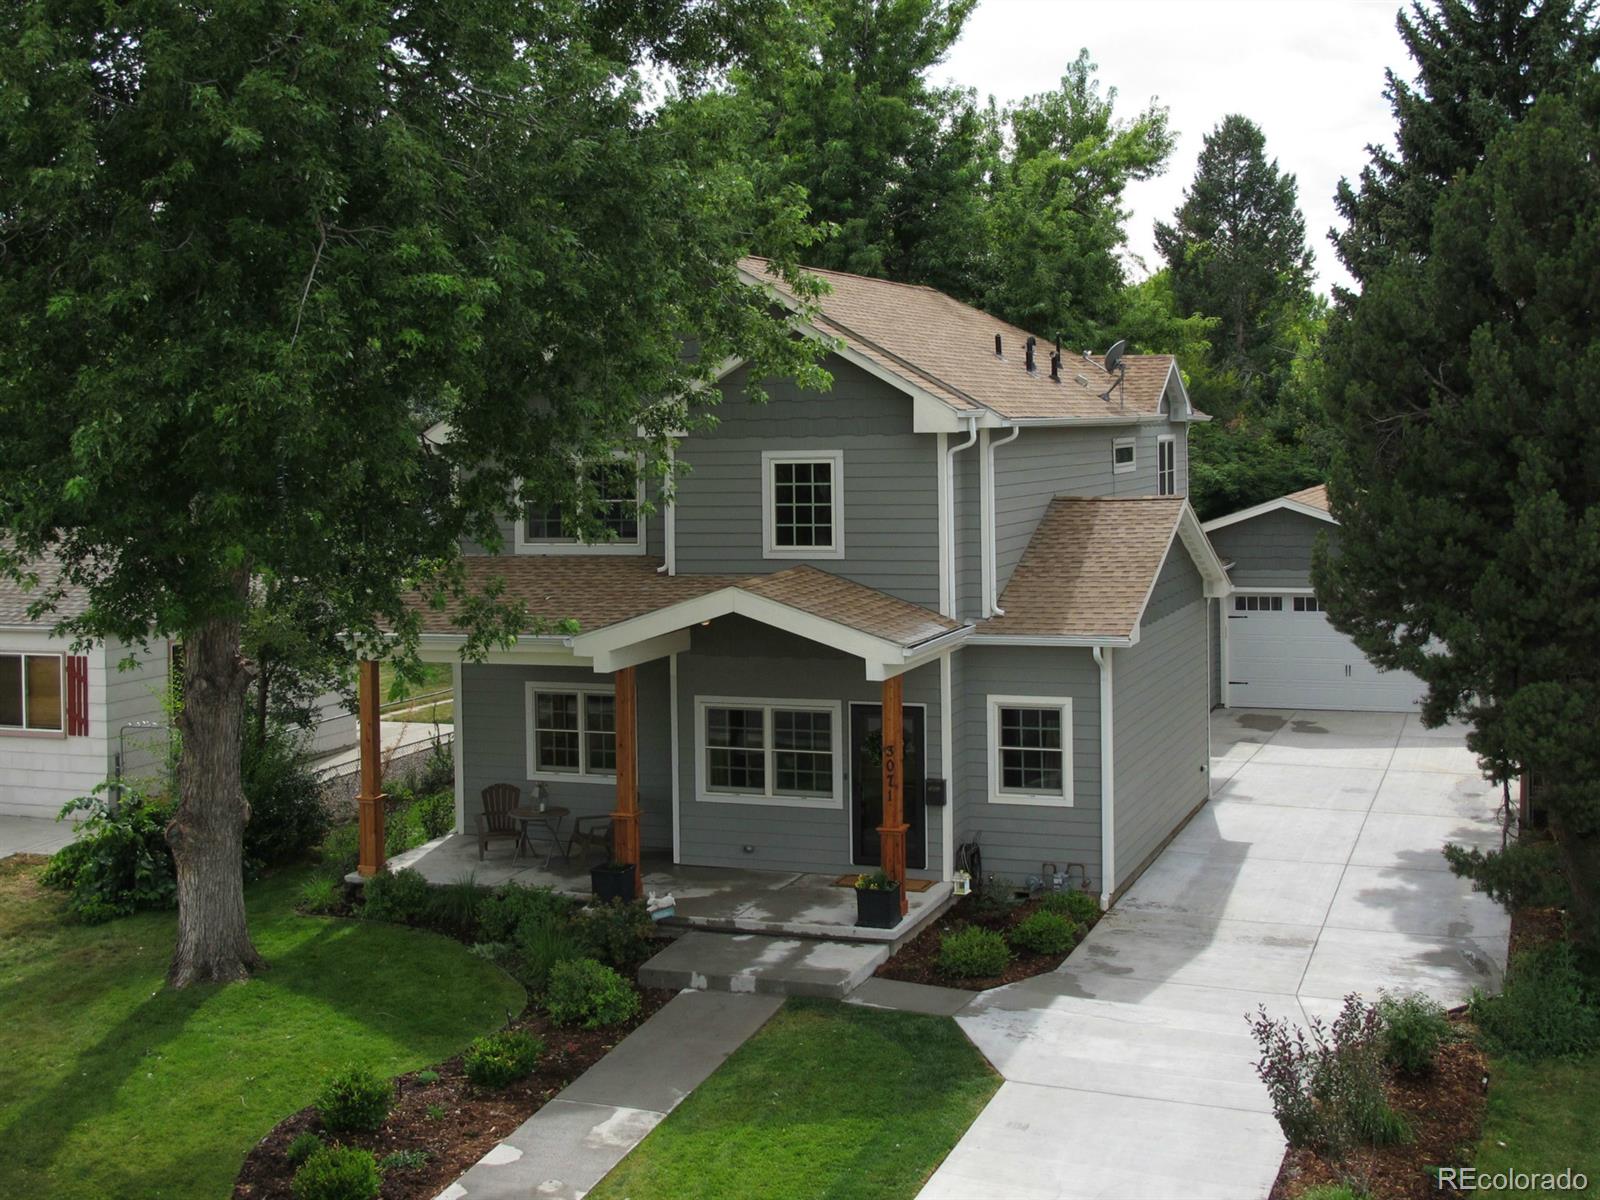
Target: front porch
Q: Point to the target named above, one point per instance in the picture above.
(783, 903)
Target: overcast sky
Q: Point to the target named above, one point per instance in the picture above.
(1309, 72)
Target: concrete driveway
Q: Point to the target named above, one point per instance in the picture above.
(1315, 871)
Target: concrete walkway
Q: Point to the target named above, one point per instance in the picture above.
(1315, 871)
(398, 738)
(570, 1144)
(33, 835)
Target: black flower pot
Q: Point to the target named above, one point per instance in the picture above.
(613, 882)
(878, 908)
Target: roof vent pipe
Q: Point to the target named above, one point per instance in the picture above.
(1031, 367)
(1055, 366)
(997, 352)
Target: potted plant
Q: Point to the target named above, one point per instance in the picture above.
(613, 881)
(877, 901)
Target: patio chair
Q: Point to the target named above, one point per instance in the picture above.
(592, 833)
(495, 819)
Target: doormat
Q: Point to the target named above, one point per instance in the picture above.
(912, 885)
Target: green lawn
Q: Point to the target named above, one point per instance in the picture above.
(1542, 1117)
(828, 1100)
(113, 1086)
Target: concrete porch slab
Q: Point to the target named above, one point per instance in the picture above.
(744, 962)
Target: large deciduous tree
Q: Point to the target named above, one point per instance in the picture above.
(249, 251)
(1468, 483)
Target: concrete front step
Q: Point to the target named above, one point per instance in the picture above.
(744, 962)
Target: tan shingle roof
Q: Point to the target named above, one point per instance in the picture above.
(1312, 497)
(1088, 568)
(948, 348)
(848, 603)
(14, 601)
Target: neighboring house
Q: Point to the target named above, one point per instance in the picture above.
(1273, 645)
(1011, 544)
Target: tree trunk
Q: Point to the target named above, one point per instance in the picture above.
(263, 684)
(207, 831)
(1579, 850)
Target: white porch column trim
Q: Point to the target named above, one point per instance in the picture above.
(947, 818)
(457, 753)
(672, 690)
(1108, 785)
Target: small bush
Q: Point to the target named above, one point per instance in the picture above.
(1083, 908)
(973, 953)
(1545, 1010)
(434, 1112)
(505, 909)
(455, 906)
(502, 1058)
(584, 992)
(402, 830)
(403, 1160)
(119, 863)
(338, 1173)
(354, 1100)
(617, 934)
(402, 897)
(341, 849)
(287, 817)
(1414, 1027)
(426, 1077)
(303, 1147)
(436, 811)
(542, 942)
(1044, 933)
(992, 896)
(320, 894)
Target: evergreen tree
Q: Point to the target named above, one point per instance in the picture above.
(1480, 65)
(1468, 481)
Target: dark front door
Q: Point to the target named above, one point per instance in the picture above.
(866, 783)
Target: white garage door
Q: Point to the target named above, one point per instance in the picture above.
(1282, 653)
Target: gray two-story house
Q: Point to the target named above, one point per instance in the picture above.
(1006, 545)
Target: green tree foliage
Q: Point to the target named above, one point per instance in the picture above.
(1463, 390)
(1480, 65)
(250, 252)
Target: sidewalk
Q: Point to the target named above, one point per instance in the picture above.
(33, 835)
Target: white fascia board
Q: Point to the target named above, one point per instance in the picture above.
(541, 651)
(1283, 503)
(919, 655)
(1110, 420)
(439, 433)
(1046, 640)
(1212, 569)
(607, 661)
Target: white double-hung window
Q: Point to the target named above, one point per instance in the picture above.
(802, 504)
(572, 732)
(1030, 750)
(779, 752)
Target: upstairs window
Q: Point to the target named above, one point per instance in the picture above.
(1167, 466)
(803, 504)
(30, 692)
(620, 491)
(1124, 456)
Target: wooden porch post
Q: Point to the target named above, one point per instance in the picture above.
(892, 833)
(625, 820)
(370, 800)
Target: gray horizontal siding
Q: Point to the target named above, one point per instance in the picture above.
(1015, 839)
(1159, 700)
(1272, 550)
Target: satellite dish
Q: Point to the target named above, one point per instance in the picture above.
(1114, 355)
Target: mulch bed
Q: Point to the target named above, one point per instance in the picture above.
(454, 1122)
(918, 960)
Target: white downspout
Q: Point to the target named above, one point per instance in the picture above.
(1108, 783)
(991, 590)
(946, 758)
(950, 500)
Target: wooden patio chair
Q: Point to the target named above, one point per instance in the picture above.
(592, 833)
(495, 819)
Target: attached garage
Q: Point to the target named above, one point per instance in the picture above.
(1276, 648)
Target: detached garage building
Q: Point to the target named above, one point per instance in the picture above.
(1271, 642)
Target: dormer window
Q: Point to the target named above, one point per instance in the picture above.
(619, 485)
(802, 497)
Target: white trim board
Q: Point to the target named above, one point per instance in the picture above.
(1282, 503)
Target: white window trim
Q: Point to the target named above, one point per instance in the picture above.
(1046, 800)
(705, 795)
(583, 774)
(61, 684)
(521, 545)
(769, 461)
(1171, 443)
(1132, 464)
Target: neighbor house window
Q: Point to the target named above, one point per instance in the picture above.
(30, 691)
(1124, 458)
(1306, 604)
(803, 504)
(770, 752)
(620, 492)
(1167, 466)
(1030, 749)
(572, 732)
(1258, 604)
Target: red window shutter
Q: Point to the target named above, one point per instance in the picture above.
(77, 695)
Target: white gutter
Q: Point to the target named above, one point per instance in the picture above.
(991, 586)
(1108, 784)
(948, 479)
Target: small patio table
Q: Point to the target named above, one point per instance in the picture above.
(549, 820)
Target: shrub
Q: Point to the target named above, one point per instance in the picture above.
(1526, 874)
(437, 813)
(402, 830)
(991, 896)
(455, 906)
(584, 992)
(542, 942)
(403, 1160)
(120, 862)
(320, 894)
(502, 1058)
(618, 934)
(354, 1100)
(338, 1173)
(303, 1147)
(401, 896)
(341, 849)
(1326, 1086)
(1414, 1027)
(1545, 1010)
(1082, 907)
(505, 909)
(973, 953)
(426, 1077)
(287, 817)
(1044, 933)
